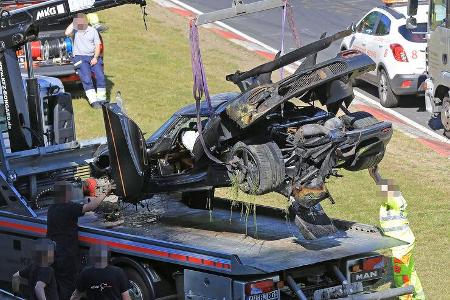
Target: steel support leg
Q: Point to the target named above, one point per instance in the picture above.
(294, 287)
(339, 274)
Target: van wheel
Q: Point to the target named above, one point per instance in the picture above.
(138, 289)
(445, 116)
(387, 96)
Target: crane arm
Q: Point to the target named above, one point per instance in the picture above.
(22, 25)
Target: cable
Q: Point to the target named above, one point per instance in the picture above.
(35, 134)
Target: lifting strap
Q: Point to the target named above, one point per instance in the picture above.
(288, 13)
(200, 86)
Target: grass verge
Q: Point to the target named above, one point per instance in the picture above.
(152, 70)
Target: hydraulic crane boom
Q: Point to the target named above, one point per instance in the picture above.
(17, 27)
(22, 25)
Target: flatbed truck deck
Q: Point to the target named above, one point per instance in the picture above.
(172, 241)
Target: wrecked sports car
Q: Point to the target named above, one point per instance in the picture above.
(286, 137)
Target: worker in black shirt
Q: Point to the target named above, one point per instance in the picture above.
(101, 281)
(40, 276)
(62, 228)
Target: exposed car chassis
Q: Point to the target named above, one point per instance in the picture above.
(271, 137)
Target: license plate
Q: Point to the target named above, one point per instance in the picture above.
(274, 295)
(366, 275)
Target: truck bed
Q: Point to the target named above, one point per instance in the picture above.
(266, 243)
(220, 241)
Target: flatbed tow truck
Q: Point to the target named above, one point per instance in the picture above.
(184, 253)
(169, 250)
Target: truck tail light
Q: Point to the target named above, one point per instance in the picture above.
(260, 287)
(373, 263)
(406, 84)
(368, 264)
(399, 53)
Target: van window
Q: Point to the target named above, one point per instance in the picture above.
(417, 35)
(438, 12)
(367, 25)
(384, 26)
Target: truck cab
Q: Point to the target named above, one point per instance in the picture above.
(437, 85)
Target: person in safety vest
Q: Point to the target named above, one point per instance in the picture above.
(394, 223)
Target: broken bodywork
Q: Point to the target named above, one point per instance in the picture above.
(271, 137)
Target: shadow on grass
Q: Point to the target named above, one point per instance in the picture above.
(77, 91)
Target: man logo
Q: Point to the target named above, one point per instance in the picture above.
(50, 11)
(366, 275)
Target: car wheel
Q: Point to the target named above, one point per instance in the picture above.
(387, 96)
(445, 116)
(138, 289)
(256, 169)
(360, 120)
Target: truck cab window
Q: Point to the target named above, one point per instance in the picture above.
(384, 26)
(437, 13)
(367, 25)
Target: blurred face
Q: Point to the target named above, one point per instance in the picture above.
(389, 188)
(49, 257)
(99, 256)
(63, 193)
(45, 253)
(80, 22)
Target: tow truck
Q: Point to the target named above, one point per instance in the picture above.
(168, 249)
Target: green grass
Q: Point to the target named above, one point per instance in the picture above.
(152, 70)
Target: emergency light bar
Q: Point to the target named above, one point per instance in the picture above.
(392, 2)
(238, 8)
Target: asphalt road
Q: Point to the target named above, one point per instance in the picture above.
(313, 17)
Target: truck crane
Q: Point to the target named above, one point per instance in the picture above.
(437, 86)
(38, 128)
(18, 27)
(179, 255)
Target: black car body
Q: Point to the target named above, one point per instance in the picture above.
(270, 137)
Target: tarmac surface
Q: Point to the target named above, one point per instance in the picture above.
(314, 17)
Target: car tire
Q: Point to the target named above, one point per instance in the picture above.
(445, 116)
(258, 169)
(385, 93)
(138, 289)
(198, 199)
(360, 120)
